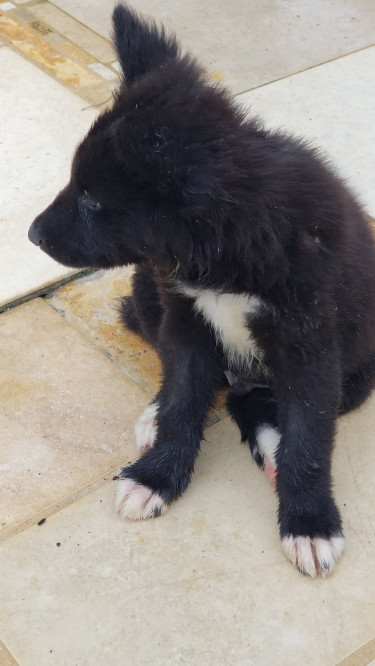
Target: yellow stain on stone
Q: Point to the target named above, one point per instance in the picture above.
(217, 76)
(13, 389)
(75, 53)
(91, 306)
(139, 361)
(45, 55)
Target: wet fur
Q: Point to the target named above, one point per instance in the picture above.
(177, 180)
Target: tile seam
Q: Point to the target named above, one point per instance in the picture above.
(81, 90)
(306, 69)
(7, 658)
(35, 3)
(59, 505)
(363, 656)
(72, 498)
(44, 291)
(95, 344)
(79, 23)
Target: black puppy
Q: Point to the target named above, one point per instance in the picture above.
(251, 255)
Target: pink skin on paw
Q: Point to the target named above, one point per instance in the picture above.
(137, 502)
(268, 439)
(313, 556)
(270, 471)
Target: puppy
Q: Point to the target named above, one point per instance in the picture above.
(251, 256)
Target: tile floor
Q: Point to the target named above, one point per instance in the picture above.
(207, 583)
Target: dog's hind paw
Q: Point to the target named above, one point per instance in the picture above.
(146, 428)
(315, 556)
(267, 441)
(137, 502)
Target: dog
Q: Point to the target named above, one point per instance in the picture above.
(252, 258)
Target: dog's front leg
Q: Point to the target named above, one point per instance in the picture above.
(171, 428)
(310, 524)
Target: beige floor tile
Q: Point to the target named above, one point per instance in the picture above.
(91, 305)
(334, 106)
(364, 656)
(248, 43)
(6, 658)
(45, 54)
(41, 123)
(68, 413)
(205, 584)
(75, 53)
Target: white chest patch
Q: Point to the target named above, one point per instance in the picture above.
(229, 315)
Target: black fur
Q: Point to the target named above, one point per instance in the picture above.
(175, 179)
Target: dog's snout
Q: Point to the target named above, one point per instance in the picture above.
(34, 234)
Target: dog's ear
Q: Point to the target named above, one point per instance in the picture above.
(141, 46)
(165, 159)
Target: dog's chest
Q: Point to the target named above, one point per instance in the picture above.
(230, 317)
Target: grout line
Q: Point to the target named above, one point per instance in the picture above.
(305, 69)
(46, 290)
(80, 23)
(216, 414)
(89, 68)
(6, 658)
(364, 656)
(64, 60)
(74, 497)
(100, 347)
(57, 506)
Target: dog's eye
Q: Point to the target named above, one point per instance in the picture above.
(91, 203)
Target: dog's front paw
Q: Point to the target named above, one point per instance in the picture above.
(146, 428)
(136, 502)
(313, 556)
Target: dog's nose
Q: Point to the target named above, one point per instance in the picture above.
(34, 234)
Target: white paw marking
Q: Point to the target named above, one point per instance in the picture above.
(146, 428)
(313, 556)
(268, 440)
(137, 502)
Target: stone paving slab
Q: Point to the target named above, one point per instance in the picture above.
(40, 125)
(333, 106)
(98, 47)
(6, 658)
(246, 43)
(68, 414)
(91, 305)
(205, 584)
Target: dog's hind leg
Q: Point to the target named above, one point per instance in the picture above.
(255, 413)
(142, 311)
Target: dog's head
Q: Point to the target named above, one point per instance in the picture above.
(145, 175)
